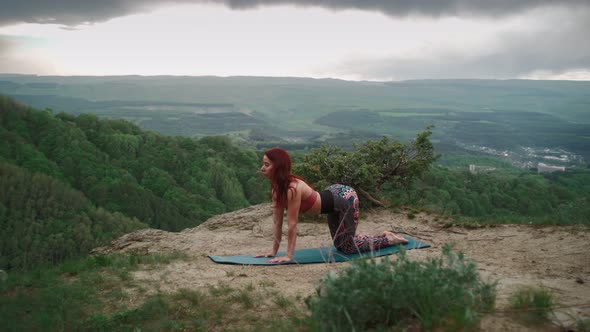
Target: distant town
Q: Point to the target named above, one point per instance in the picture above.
(545, 160)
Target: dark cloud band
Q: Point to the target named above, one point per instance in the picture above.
(401, 8)
(70, 12)
(75, 12)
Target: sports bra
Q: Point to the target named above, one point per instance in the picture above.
(308, 203)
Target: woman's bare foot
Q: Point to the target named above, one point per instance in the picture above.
(394, 239)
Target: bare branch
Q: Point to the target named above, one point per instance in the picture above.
(370, 198)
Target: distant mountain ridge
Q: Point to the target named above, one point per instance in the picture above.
(305, 112)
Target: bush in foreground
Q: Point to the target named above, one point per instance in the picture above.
(444, 293)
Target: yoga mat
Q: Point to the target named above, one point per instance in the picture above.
(316, 255)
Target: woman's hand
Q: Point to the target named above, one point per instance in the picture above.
(270, 254)
(281, 259)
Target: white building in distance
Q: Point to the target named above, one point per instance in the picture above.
(544, 168)
(477, 169)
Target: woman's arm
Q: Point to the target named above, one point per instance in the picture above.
(294, 202)
(277, 230)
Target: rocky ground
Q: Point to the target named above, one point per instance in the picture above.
(557, 258)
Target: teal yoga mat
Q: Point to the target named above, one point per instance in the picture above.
(316, 255)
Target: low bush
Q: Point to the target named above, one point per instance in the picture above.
(444, 293)
(583, 325)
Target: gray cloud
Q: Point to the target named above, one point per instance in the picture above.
(401, 8)
(72, 12)
(553, 48)
(75, 12)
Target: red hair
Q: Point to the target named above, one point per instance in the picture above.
(280, 175)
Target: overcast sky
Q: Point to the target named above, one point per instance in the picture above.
(346, 39)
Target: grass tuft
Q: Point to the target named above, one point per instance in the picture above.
(282, 301)
(533, 304)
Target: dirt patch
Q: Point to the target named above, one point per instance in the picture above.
(513, 255)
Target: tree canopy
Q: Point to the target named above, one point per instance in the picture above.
(112, 166)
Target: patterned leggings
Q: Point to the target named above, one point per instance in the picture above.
(344, 220)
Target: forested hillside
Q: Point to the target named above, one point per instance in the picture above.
(44, 220)
(69, 183)
(559, 198)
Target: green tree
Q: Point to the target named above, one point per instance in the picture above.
(371, 166)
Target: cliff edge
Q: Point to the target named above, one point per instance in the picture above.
(513, 255)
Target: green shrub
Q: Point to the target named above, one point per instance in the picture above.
(583, 325)
(73, 295)
(440, 293)
(533, 304)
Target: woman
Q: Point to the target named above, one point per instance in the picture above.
(339, 202)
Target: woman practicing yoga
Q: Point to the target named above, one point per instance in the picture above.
(339, 202)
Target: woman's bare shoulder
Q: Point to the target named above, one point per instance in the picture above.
(298, 183)
(305, 188)
(298, 186)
